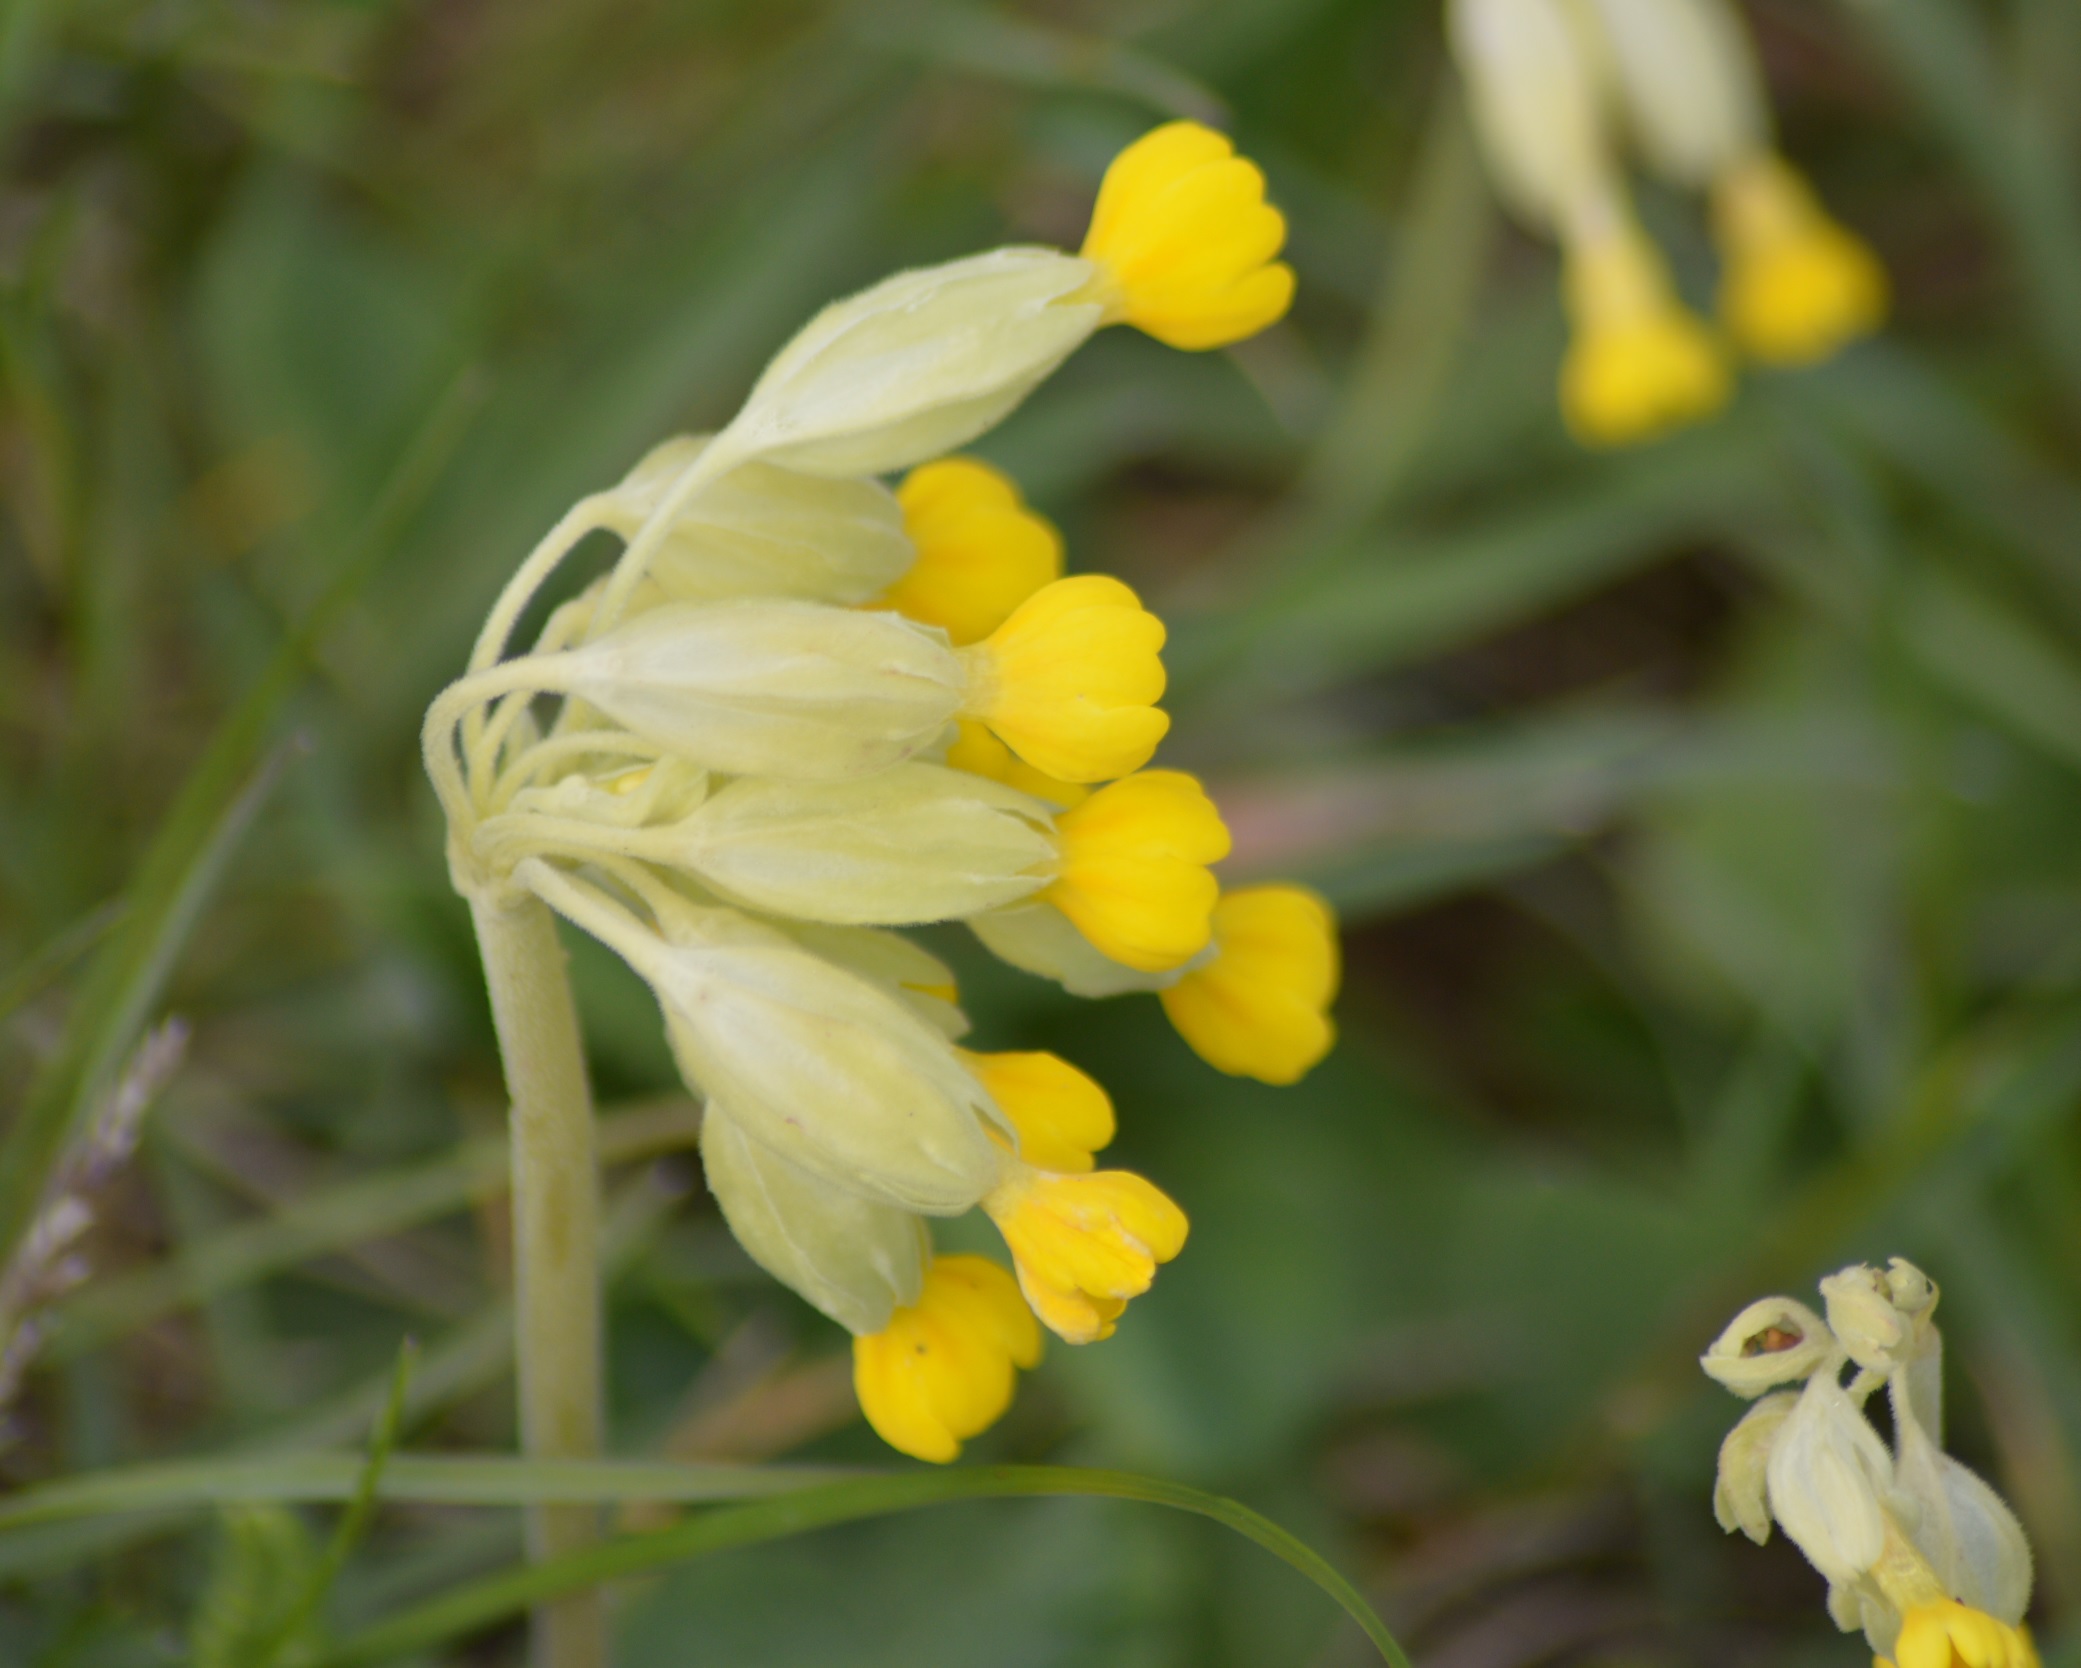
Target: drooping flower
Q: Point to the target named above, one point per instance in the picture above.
(980, 551)
(944, 1367)
(1258, 1005)
(1917, 1551)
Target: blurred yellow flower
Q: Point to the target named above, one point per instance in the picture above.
(1798, 287)
(1641, 363)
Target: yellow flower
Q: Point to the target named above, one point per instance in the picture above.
(1640, 364)
(1133, 874)
(981, 551)
(1185, 240)
(1947, 1634)
(1084, 1244)
(1258, 1008)
(1070, 682)
(1798, 287)
(941, 1371)
(977, 751)
(1062, 1116)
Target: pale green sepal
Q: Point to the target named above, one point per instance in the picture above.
(1533, 90)
(824, 1067)
(918, 364)
(1740, 1496)
(1774, 1341)
(1687, 78)
(1829, 1476)
(1038, 938)
(913, 975)
(764, 531)
(771, 688)
(853, 1258)
(1966, 1530)
(914, 843)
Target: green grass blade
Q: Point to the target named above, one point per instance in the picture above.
(329, 1221)
(484, 1602)
(426, 1479)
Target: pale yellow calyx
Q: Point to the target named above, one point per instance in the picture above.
(1071, 680)
(975, 749)
(1639, 363)
(1259, 1006)
(1185, 242)
(943, 1369)
(1133, 872)
(1084, 1244)
(980, 550)
(1798, 287)
(1062, 1116)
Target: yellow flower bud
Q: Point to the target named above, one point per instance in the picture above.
(1798, 287)
(917, 365)
(1062, 1116)
(975, 749)
(1084, 1244)
(1258, 1007)
(942, 1370)
(854, 1258)
(1134, 876)
(762, 531)
(1185, 241)
(1070, 681)
(980, 551)
(1947, 1634)
(1640, 364)
(768, 688)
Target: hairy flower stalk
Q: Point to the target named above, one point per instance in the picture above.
(805, 707)
(1557, 87)
(1917, 1551)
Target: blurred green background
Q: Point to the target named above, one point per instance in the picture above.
(1707, 818)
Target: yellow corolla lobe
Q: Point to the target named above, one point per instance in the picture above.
(1134, 876)
(1071, 680)
(980, 550)
(1259, 1006)
(1085, 1244)
(1185, 241)
(943, 1369)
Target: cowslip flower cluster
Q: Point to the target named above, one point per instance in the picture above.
(1917, 1550)
(803, 709)
(1556, 86)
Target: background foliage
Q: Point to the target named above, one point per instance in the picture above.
(1706, 817)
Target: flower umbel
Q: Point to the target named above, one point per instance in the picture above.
(800, 710)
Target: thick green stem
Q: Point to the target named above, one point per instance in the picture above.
(556, 1258)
